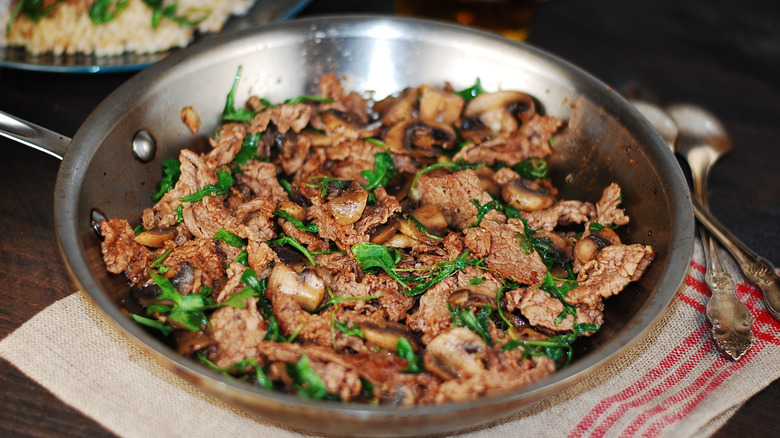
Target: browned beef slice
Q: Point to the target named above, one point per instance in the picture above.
(607, 211)
(227, 145)
(561, 213)
(255, 218)
(531, 140)
(294, 153)
(122, 253)
(207, 216)
(542, 309)
(500, 246)
(348, 235)
(202, 255)
(352, 156)
(614, 267)
(384, 208)
(392, 301)
(310, 240)
(239, 333)
(504, 372)
(453, 194)
(285, 117)
(314, 328)
(195, 174)
(432, 316)
(233, 284)
(258, 179)
(259, 256)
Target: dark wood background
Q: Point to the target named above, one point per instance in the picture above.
(724, 55)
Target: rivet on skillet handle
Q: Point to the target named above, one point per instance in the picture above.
(32, 135)
(144, 146)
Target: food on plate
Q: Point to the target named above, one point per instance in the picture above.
(405, 251)
(111, 27)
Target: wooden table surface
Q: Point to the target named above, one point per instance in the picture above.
(721, 54)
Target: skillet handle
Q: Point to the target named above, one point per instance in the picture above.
(32, 135)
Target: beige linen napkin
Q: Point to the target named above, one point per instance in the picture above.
(673, 383)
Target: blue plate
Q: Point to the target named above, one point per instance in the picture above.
(263, 12)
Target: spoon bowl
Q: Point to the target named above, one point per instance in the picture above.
(660, 121)
(702, 140)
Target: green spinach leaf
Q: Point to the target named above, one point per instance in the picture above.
(414, 362)
(307, 382)
(223, 185)
(171, 171)
(384, 171)
(309, 228)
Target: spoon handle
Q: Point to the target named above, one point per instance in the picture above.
(758, 269)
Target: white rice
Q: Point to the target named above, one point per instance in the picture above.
(68, 29)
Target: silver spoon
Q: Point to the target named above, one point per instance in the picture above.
(702, 140)
(758, 269)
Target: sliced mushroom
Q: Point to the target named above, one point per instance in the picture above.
(417, 139)
(386, 334)
(317, 139)
(456, 353)
(431, 218)
(191, 119)
(186, 280)
(349, 206)
(155, 238)
(503, 111)
(395, 109)
(411, 226)
(346, 124)
(439, 106)
(589, 246)
(383, 232)
(400, 240)
(307, 288)
(526, 195)
(189, 342)
(399, 186)
(472, 296)
(295, 210)
(564, 248)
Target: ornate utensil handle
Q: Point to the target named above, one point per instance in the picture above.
(730, 319)
(758, 269)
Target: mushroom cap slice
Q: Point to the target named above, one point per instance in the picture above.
(439, 106)
(386, 334)
(295, 210)
(155, 238)
(346, 124)
(417, 139)
(526, 195)
(502, 111)
(395, 109)
(348, 208)
(307, 288)
(431, 217)
(456, 353)
(472, 296)
(589, 245)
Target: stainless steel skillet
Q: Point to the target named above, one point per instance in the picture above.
(606, 140)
